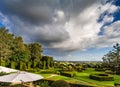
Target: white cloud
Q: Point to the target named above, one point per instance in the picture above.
(108, 19)
(111, 35)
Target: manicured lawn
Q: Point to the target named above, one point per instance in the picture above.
(69, 80)
(45, 75)
(117, 79)
(84, 76)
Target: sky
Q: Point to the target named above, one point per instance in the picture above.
(70, 30)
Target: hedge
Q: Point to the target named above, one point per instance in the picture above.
(51, 81)
(68, 74)
(109, 72)
(101, 77)
(47, 72)
(100, 69)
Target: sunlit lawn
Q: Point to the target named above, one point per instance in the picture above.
(83, 78)
(69, 80)
(117, 79)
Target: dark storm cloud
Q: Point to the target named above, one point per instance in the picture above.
(41, 11)
(57, 24)
(33, 11)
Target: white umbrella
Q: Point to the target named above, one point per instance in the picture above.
(7, 70)
(20, 76)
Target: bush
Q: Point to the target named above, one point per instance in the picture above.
(100, 69)
(60, 83)
(33, 70)
(44, 84)
(4, 84)
(101, 77)
(68, 74)
(109, 72)
(47, 71)
(3, 73)
(57, 72)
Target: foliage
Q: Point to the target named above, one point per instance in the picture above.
(5, 84)
(84, 76)
(44, 84)
(68, 74)
(101, 77)
(109, 72)
(47, 71)
(16, 54)
(47, 62)
(112, 59)
(60, 83)
(100, 69)
(2, 73)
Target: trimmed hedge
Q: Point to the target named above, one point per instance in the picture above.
(109, 72)
(33, 70)
(101, 77)
(100, 69)
(50, 81)
(68, 74)
(47, 71)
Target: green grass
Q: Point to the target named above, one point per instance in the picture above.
(84, 76)
(69, 80)
(45, 75)
(117, 79)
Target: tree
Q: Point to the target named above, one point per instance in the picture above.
(112, 59)
(35, 51)
(6, 41)
(48, 61)
(16, 54)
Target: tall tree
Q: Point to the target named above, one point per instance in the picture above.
(112, 59)
(35, 50)
(6, 40)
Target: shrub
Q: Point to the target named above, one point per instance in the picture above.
(31, 70)
(3, 73)
(60, 83)
(68, 74)
(57, 72)
(4, 84)
(47, 71)
(44, 84)
(101, 77)
(100, 69)
(109, 72)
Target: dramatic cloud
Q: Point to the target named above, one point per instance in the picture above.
(111, 35)
(65, 25)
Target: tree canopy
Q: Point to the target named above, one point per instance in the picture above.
(15, 53)
(112, 58)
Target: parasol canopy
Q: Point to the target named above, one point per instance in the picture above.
(20, 76)
(7, 70)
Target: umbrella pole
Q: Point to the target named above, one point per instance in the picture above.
(22, 83)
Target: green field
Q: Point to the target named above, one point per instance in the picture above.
(83, 78)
